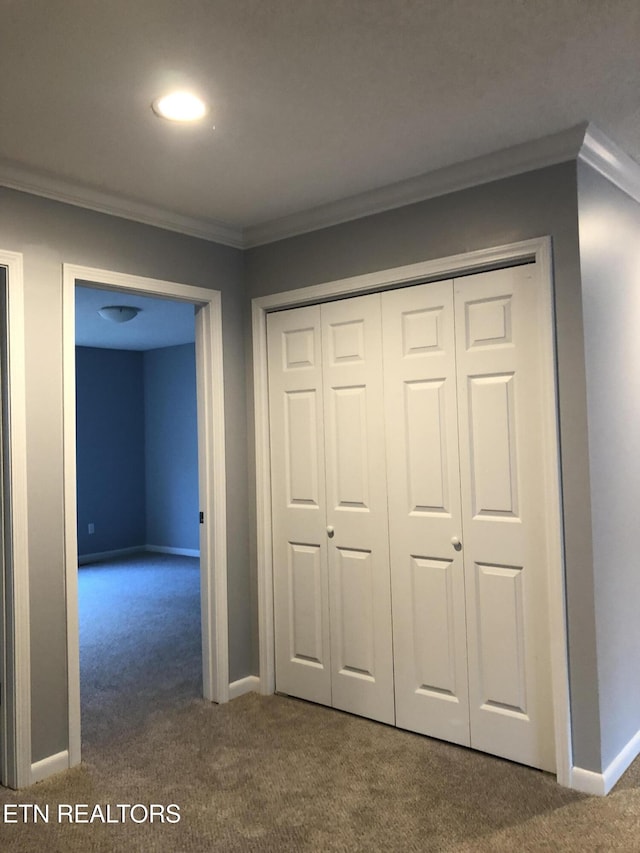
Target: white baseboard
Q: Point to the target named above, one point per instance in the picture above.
(106, 555)
(587, 782)
(179, 552)
(49, 765)
(250, 684)
(621, 762)
(599, 784)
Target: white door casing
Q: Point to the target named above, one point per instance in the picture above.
(16, 667)
(212, 485)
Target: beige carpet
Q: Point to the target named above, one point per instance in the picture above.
(277, 774)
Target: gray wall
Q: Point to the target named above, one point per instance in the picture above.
(610, 261)
(49, 233)
(539, 203)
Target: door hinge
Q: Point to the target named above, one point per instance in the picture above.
(201, 518)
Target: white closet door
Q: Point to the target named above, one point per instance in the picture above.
(301, 595)
(499, 409)
(429, 632)
(357, 514)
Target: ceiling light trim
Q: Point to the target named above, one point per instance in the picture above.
(603, 155)
(515, 160)
(16, 177)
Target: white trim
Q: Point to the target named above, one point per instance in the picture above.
(534, 154)
(211, 465)
(250, 684)
(433, 270)
(17, 661)
(213, 501)
(166, 549)
(603, 155)
(537, 250)
(514, 160)
(584, 141)
(48, 766)
(554, 521)
(16, 177)
(621, 762)
(587, 782)
(599, 784)
(107, 555)
(266, 630)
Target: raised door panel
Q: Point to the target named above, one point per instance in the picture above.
(358, 548)
(301, 593)
(347, 431)
(500, 405)
(354, 623)
(424, 511)
(304, 587)
(492, 446)
(500, 640)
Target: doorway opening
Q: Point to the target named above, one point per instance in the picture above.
(137, 510)
(208, 509)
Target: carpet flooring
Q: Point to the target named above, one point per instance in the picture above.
(265, 774)
(140, 641)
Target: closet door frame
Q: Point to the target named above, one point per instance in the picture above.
(537, 251)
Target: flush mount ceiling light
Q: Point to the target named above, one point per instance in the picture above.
(180, 106)
(119, 313)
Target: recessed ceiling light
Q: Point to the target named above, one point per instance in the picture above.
(180, 106)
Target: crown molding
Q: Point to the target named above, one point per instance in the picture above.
(16, 177)
(603, 155)
(536, 154)
(584, 141)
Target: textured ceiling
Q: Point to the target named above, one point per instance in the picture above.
(313, 100)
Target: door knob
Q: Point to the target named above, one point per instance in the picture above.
(457, 544)
(330, 531)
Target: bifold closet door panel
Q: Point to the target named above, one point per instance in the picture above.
(357, 512)
(498, 356)
(429, 632)
(300, 573)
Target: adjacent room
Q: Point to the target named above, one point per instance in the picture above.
(137, 501)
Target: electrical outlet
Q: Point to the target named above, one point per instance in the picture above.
(92, 527)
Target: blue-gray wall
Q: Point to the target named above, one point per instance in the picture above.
(171, 447)
(110, 441)
(137, 448)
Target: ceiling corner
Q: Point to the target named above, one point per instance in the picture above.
(607, 158)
